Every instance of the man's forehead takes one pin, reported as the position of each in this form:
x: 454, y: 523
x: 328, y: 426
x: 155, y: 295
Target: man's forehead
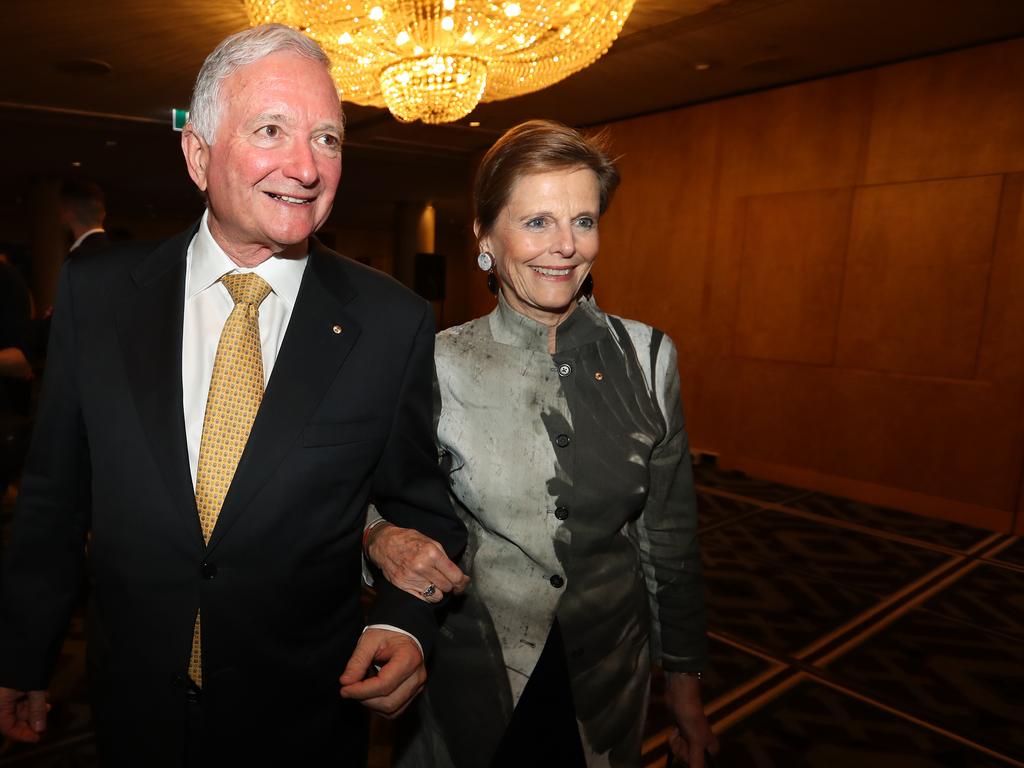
x: 282, y: 89
x: 286, y: 67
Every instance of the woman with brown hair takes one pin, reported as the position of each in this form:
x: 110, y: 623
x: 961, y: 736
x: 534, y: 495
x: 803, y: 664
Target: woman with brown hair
x: 562, y: 433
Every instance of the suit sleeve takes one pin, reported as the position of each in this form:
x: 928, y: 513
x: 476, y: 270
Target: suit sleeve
x: 409, y: 488
x: 666, y: 534
x: 44, y: 561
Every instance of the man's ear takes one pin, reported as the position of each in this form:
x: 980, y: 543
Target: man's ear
x: 197, y: 155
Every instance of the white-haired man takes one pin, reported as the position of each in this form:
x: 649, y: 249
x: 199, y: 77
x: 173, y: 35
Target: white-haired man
x: 218, y: 411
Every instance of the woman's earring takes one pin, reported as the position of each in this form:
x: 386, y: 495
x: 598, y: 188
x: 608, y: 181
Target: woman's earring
x: 486, y: 262
x: 587, y: 287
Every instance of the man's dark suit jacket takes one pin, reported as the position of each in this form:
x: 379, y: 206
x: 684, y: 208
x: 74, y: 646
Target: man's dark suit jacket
x: 346, y: 419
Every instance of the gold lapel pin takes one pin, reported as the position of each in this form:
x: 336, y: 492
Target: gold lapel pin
x: 336, y: 328
x: 598, y: 376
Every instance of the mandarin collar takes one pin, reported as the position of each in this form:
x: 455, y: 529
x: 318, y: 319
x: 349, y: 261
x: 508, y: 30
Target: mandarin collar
x: 585, y: 324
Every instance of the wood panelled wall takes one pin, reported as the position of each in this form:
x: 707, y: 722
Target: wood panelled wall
x: 841, y: 264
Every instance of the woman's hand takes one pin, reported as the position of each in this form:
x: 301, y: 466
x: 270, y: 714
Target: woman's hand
x: 692, y: 733
x: 414, y: 563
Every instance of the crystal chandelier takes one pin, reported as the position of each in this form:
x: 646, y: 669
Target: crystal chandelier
x: 435, y: 60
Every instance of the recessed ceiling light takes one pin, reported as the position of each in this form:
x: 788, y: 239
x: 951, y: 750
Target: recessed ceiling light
x: 474, y: 123
x: 76, y: 164
x: 702, y: 66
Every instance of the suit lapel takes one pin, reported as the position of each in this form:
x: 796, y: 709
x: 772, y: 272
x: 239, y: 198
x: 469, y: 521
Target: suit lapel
x: 309, y: 359
x: 149, y: 322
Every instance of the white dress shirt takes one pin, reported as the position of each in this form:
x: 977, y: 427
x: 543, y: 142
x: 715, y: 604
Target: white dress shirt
x: 207, y: 306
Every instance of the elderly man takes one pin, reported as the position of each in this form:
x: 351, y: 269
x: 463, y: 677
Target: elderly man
x: 218, y: 411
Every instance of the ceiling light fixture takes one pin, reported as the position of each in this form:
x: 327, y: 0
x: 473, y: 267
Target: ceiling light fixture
x: 435, y: 60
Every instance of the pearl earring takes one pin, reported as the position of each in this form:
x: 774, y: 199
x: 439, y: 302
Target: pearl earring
x: 485, y: 261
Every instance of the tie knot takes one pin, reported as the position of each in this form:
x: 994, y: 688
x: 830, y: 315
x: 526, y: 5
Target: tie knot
x: 246, y: 288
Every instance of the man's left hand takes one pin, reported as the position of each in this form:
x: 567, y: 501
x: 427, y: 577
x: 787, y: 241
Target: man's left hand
x: 401, y: 675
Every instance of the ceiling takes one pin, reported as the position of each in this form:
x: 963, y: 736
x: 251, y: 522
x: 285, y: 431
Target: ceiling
x: 113, y: 118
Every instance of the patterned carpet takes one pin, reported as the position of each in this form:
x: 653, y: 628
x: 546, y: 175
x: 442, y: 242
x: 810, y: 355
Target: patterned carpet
x: 845, y: 634
x: 842, y: 635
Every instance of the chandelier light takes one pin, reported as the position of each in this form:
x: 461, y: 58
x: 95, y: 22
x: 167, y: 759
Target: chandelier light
x: 435, y: 60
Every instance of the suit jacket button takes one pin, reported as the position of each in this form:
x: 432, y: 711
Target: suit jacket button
x: 208, y: 570
x: 562, y: 440
x: 562, y: 513
x: 557, y: 581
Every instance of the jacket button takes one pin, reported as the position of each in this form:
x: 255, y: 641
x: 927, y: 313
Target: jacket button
x: 562, y: 513
x: 564, y: 370
x: 557, y: 581
x: 562, y: 440
x: 208, y: 570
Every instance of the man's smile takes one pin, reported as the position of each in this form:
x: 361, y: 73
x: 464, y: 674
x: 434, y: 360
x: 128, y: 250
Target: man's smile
x: 290, y: 199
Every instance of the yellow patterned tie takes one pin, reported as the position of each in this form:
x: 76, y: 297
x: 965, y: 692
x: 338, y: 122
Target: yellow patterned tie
x: 236, y: 390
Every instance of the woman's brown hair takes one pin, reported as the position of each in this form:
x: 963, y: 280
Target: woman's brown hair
x: 538, y: 146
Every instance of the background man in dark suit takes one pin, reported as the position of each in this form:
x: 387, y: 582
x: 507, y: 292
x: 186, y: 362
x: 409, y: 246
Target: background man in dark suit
x: 219, y: 626
x: 83, y: 209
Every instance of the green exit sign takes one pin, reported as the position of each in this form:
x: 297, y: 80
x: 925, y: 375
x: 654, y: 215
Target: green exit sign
x: 178, y: 118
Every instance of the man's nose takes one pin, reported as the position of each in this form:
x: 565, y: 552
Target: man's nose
x: 301, y: 164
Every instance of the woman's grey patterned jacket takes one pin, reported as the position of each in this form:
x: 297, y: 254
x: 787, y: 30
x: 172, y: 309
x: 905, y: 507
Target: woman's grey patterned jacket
x: 572, y: 473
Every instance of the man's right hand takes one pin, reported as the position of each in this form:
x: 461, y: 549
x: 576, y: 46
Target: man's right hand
x: 412, y: 562
x: 401, y: 672
x: 23, y: 714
